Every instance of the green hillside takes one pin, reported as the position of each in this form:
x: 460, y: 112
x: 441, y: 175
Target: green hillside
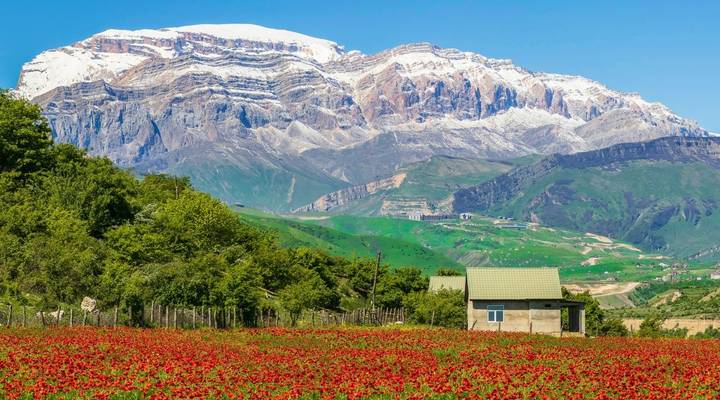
x: 256, y: 179
x: 396, y: 252
x: 663, y: 206
x: 432, y: 180
x: 478, y: 242
x: 689, y: 298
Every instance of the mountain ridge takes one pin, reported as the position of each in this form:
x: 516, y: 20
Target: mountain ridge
x: 149, y: 98
x: 660, y: 195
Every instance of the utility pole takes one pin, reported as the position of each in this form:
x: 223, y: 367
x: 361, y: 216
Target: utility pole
x: 377, y: 267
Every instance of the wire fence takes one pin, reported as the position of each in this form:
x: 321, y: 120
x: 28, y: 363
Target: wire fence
x: 178, y: 317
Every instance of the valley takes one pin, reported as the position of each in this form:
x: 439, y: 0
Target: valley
x: 481, y: 241
x: 660, y: 196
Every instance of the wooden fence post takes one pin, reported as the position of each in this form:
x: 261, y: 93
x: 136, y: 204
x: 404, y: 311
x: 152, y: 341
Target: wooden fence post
x: 130, y: 317
x: 24, y: 322
x: 115, y: 317
x: 84, y: 320
x: 175, y: 318
x: 193, y: 318
x: 152, y: 312
x: 97, y: 319
x: 42, y: 317
x: 167, y: 317
x: 10, y: 312
x: 57, y: 316
x: 71, y: 318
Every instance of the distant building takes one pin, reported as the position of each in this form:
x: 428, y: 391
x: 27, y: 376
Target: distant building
x: 715, y: 275
x: 438, y: 283
x: 465, y: 216
x: 419, y: 216
x: 512, y: 226
x: 515, y: 300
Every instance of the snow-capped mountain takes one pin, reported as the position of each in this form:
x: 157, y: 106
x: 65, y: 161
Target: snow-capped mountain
x: 263, y: 115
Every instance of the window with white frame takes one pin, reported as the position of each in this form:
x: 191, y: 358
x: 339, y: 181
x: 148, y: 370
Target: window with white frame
x: 495, y: 313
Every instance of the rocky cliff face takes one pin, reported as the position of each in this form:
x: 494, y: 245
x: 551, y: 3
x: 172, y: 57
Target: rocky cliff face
x: 344, y: 196
x: 506, y: 187
x: 155, y: 99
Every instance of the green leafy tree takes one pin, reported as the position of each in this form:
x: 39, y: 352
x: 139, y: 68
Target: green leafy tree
x: 442, y: 308
x: 24, y: 135
x: 652, y: 327
x: 62, y: 265
x: 709, y: 333
x: 301, y: 296
x: 597, y: 323
x: 398, y: 283
x: 448, y: 272
x: 240, y: 290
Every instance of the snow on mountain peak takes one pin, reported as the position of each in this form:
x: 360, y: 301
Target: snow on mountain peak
x: 107, y: 54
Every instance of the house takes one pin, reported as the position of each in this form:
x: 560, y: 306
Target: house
x: 515, y: 300
x: 715, y: 275
x: 465, y: 216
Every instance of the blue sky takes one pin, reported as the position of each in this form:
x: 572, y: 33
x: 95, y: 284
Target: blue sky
x: 667, y: 51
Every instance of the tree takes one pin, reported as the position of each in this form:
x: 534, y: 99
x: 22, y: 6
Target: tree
x: 448, y: 272
x: 709, y: 333
x: 395, y: 285
x: 304, y: 295
x: 239, y: 287
x: 442, y: 308
x: 24, y: 135
x: 63, y: 264
x: 596, y: 322
x: 197, y: 222
x: 652, y: 327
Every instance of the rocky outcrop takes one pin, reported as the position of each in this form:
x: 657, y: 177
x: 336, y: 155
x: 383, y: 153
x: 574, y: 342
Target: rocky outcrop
x: 344, y: 196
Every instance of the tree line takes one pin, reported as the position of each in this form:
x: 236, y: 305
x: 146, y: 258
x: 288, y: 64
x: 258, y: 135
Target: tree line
x: 73, y: 225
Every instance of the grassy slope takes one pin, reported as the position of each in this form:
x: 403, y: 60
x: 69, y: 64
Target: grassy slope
x: 397, y: 253
x: 680, y: 299
x: 655, y: 186
x: 256, y: 182
x: 474, y: 243
x: 434, y: 179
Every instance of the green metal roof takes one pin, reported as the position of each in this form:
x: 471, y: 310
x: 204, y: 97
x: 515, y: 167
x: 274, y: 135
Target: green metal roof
x: 447, y: 282
x: 513, y: 284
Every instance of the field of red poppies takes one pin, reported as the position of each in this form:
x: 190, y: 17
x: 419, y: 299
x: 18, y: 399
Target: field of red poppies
x: 349, y: 364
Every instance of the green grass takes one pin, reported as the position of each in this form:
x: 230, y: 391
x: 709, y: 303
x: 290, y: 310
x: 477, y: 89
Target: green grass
x: 699, y: 299
x: 432, y: 180
x: 478, y: 242
x: 627, y: 201
x: 396, y: 252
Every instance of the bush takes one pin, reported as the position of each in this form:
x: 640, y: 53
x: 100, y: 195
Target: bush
x: 652, y: 327
x: 709, y: 333
x: 443, y: 308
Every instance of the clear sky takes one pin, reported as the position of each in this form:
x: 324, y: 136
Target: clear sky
x: 669, y: 51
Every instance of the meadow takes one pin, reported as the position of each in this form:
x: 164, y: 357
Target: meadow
x: 349, y: 363
x: 478, y: 242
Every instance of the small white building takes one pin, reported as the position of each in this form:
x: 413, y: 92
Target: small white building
x: 715, y: 275
x: 515, y: 300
